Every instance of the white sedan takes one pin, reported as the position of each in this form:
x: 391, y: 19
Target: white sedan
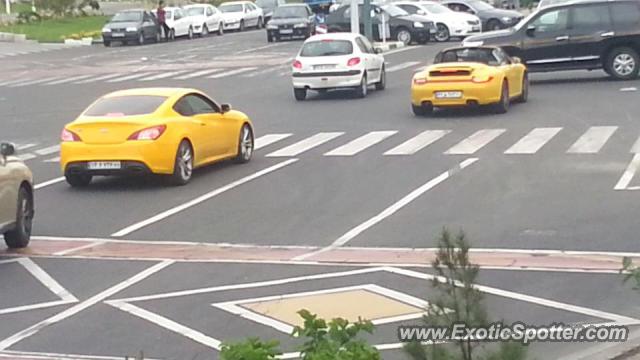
x: 239, y: 15
x: 179, y: 24
x: 337, y: 61
x: 449, y: 23
x: 205, y: 18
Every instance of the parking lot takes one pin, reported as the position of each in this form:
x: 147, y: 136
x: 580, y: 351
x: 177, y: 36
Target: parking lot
x: 343, y: 197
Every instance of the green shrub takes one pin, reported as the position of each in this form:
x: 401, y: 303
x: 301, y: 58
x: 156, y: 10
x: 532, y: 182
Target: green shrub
x: 250, y: 349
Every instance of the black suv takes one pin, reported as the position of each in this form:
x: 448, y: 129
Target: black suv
x: 583, y: 35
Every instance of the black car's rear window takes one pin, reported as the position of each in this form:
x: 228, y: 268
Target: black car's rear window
x: 125, y: 105
x: 127, y: 16
x: 327, y: 48
x: 287, y: 12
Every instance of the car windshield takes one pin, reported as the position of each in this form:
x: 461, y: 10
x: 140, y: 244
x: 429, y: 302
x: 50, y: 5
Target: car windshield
x: 284, y: 12
x: 327, y: 48
x: 117, y: 106
x: 484, y: 56
x: 436, y: 8
x: 394, y: 11
x: 127, y: 16
x: 480, y: 5
x: 230, y: 8
x: 195, y: 11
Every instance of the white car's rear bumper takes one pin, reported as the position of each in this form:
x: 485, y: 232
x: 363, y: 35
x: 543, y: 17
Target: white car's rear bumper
x: 232, y: 26
x: 327, y: 80
x: 465, y: 30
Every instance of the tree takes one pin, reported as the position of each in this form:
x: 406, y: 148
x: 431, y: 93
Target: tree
x: 59, y: 7
x: 250, y: 349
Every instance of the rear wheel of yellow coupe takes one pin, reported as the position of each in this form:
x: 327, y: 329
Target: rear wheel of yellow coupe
x: 503, y: 105
x: 245, y: 145
x: 78, y: 180
x: 421, y: 110
x: 183, y: 166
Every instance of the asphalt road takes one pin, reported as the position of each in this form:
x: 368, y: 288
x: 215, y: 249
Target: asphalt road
x: 565, y: 195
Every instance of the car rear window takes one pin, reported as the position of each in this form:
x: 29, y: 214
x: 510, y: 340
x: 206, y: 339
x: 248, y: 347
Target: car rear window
x: 125, y: 105
x: 327, y: 48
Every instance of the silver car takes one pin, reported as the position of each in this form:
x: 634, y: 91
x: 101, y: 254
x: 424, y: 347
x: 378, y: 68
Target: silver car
x: 16, y: 198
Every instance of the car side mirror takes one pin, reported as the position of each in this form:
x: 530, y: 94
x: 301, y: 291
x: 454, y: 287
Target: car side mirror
x: 516, y: 60
x: 225, y: 108
x: 531, y: 30
x: 7, y: 149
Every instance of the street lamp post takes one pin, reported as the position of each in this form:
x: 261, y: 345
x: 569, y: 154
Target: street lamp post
x: 355, y: 20
x: 7, y: 6
x: 366, y: 19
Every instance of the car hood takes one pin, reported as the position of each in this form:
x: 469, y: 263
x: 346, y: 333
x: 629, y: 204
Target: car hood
x: 287, y: 21
x: 122, y: 24
x: 500, y: 13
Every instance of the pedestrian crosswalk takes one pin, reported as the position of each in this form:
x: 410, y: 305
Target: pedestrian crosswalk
x: 394, y: 143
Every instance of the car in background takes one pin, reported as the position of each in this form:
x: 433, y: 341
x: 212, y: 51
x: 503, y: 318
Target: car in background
x: 402, y: 26
x: 470, y: 76
x: 337, y: 61
x: 268, y: 6
x: 178, y: 22
x: 290, y: 21
x: 491, y: 17
x: 205, y: 19
x: 16, y: 198
x: 448, y: 22
x: 131, y: 26
x: 167, y: 131
x: 239, y: 15
x: 576, y: 36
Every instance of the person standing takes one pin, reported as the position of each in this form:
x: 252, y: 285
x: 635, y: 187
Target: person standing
x: 162, y: 20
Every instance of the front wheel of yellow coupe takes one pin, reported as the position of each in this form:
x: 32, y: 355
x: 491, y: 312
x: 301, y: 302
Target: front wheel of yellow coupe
x: 245, y: 145
x: 183, y: 167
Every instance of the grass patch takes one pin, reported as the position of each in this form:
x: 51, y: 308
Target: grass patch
x: 53, y: 30
x: 15, y: 8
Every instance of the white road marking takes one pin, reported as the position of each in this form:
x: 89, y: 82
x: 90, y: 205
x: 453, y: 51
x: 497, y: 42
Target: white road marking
x: 231, y: 72
x: 165, y: 214
x: 402, y: 49
x: 635, y: 149
x: 78, y: 248
x: 12, y: 81
x: 268, y: 139
x: 306, y: 144
x: 162, y: 75
x: 197, y: 73
x: 592, y: 140
x: 266, y: 71
x: 34, y: 82
x: 34, y: 329
x: 48, y: 150
x: 99, y: 78
x: 401, y: 66
x: 628, y: 174
x: 25, y: 146
x: 629, y: 89
x: 257, y: 48
x: 31, y: 355
x: 533, y: 141
x: 418, y: 142
x: 475, y: 142
x: 48, y: 183
x: 26, y: 156
x: 363, y: 142
x: 130, y: 77
x: 395, y: 207
x: 67, y: 80
x: 53, y: 160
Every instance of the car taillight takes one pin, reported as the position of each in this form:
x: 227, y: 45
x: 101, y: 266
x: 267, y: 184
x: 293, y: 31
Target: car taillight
x: 483, y: 79
x: 419, y: 81
x: 151, y: 133
x: 69, y: 136
x: 353, y: 61
x: 297, y: 64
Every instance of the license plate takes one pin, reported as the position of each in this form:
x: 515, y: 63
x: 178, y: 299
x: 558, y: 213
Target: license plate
x: 117, y: 35
x: 104, y: 165
x: 476, y: 28
x: 286, y: 31
x: 323, y: 67
x: 448, y: 94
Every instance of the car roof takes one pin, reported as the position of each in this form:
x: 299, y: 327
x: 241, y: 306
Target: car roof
x: 157, y: 91
x: 196, y: 5
x: 234, y: 3
x: 293, y: 5
x: 334, y: 36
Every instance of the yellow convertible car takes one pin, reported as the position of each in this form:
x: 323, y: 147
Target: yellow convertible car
x: 166, y: 131
x: 470, y: 76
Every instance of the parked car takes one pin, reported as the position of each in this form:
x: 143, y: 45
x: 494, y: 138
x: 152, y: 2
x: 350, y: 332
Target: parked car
x: 402, y: 26
x: 448, y: 22
x: 291, y: 20
x: 337, y: 61
x: 239, y: 15
x: 268, y: 6
x: 492, y: 18
x: 576, y: 36
x: 178, y: 22
x: 205, y: 18
x: 131, y: 26
x: 16, y: 198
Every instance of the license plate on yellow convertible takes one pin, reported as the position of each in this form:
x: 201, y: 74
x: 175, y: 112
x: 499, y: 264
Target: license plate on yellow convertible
x: 448, y: 94
x: 104, y: 165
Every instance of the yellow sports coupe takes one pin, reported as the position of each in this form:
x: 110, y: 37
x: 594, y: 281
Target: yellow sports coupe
x: 166, y: 131
x: 470, y: 76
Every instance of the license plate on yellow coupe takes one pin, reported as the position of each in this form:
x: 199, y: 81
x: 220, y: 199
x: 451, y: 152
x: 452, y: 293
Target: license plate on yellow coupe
x: 448, y: 94
x: 104, y: 165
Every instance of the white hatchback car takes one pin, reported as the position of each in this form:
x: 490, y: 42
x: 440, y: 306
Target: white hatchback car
x: 239, y: 15
x: 205, y: 19
x: 449, y: 23
x: 178, y: 23
x: 337, y: 61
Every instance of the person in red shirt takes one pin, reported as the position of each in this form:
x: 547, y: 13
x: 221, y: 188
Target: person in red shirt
x: 161, y: 20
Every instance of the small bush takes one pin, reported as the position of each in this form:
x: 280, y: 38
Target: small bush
x: 251, y: 349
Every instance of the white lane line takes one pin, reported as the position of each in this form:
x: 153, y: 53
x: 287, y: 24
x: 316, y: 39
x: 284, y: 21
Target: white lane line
x: 99, y: 78
x: 395, y: 207
x: 628, y: 174
x: 418, y: 142
x: 269, y: 139
x: 401, y: 66
x: 46, y: 280
x: 78, y: 248
x: 48, y: 183
x: 32, y: 81
x: 130, y: 77
x: 53, y: 160
x: 592, y: 140
x: 306, y: 144
x: 67, y: 80
x: 162, y: 75
x: 165, y: 214
x: 167, y: 324
x: 48, y: 150
x: 13, y: 81
x: 533, y: 141
x: 25, y: 157
x: 32, y: 355
x: 635, y: 149
x: 266, y: 71
x: 257, y: 48
x: 475, y: 142
x: 197, y: 73
x: 25, y: 146
x: 34, y: 329
x: 363, y: 142
x: 231, y: 72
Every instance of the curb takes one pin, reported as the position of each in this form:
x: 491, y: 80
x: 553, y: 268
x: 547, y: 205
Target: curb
x: 11, y: 37
x: 388, y: 46
x: 628, y: 350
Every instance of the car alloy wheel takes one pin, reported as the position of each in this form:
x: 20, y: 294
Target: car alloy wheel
x: 382, y: 83
x: 442, y: 33
x: 141, y: 38
x: 404, y: 36
x: 241, y: 25
x: 190, y: 33
x: 220, y: 29
x: 624, y: 64
x: 245, y: 144
x: 205, y: 30
x: 259, y: 25
x: 361, y: 91
x: 172, y: 34
x: 183, y: 168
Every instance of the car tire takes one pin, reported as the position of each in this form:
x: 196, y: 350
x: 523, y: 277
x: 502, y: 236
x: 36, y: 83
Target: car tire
x: 141, y: 38
x: 241, y: 28
x: 205, y: 31
x: 502, y: 106
x: 172, y: 34
x: 190, y: 33
x: 623, y: 63
x: 442, y: 33
x: 245, y: 145
x: 19, y: 237
x: 107, y: 43
x: 404, y: 35
x: 158, y: 37
x: 382, y: 84
x: 183, y: 165
x: 363, y: 88
x: 493, y: 25
x: 220, y: 29
x: 524, y: 95
x: 259, y: 24
x: 421, y: 110
x: 269, y: 38
x: 300, y: 94
x: 78, y: 180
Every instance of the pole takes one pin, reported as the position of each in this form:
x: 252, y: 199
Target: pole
x: 8, y: 6
x: 384, y: 28
x: 366, y: 19
x: 355, y: 20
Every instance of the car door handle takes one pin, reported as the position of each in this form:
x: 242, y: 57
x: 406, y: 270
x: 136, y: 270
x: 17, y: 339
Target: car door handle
x: 562, y: 38
x: 608, y: 34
